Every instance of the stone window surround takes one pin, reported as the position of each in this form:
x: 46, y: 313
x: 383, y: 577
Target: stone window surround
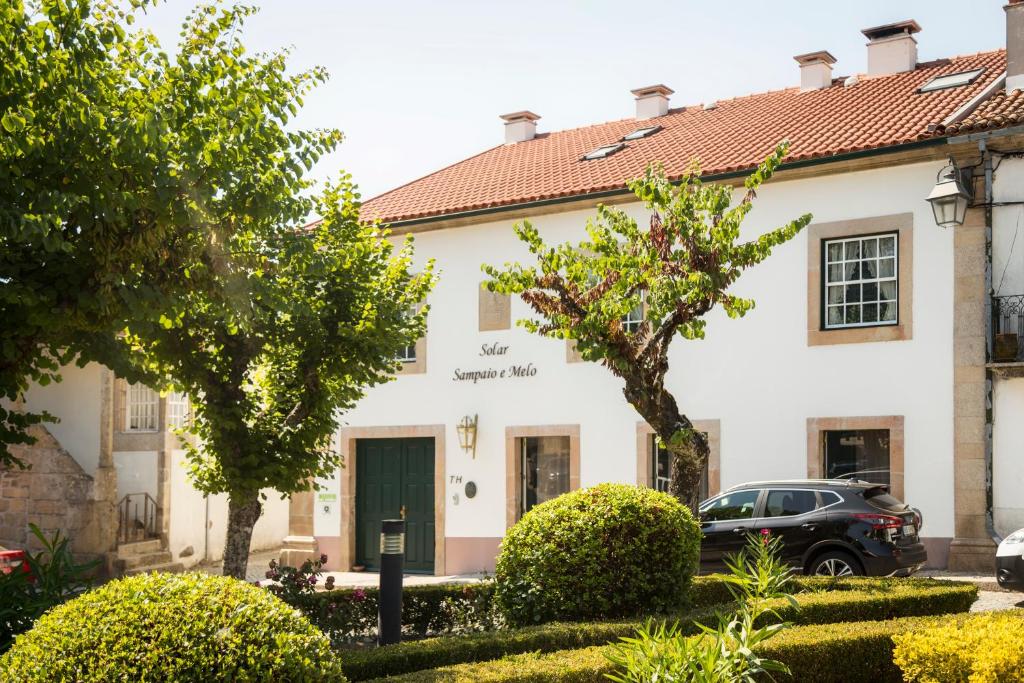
x: 816, y: 426
x: 513, y: 463
x: 713, y: 430
x: 903, y: 225
x: 347, y: 442
x: 494, y: 310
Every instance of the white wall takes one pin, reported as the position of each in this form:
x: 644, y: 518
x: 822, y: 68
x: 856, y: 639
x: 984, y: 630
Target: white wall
x: 1008, y: 229
x: 189, y: 520
x: 136, y: 472
x: 76, y: 401
x: 757, y: 375
x: 1008, y: 460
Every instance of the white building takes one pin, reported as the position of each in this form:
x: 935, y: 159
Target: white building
x: 869, y: 350
x: 886, y: 374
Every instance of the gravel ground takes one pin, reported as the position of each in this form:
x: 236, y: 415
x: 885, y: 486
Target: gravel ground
x: 995, y: 600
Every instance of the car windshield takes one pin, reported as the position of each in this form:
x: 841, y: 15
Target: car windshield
x: 881, y: 499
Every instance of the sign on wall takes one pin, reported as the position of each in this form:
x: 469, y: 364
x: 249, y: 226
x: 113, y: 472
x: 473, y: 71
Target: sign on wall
x: 327, y: 507
x: 497, y: 366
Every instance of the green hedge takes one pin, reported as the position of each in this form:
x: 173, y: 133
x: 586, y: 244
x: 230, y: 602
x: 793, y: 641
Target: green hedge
x: 350, y: 614
x: 858, y: 652
x: 821, y: 601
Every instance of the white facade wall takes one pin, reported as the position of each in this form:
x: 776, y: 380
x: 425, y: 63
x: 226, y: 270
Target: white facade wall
x: 1008, y: 394
x: 202, y: 524
x: 757, y: 375
x: 75, y: 400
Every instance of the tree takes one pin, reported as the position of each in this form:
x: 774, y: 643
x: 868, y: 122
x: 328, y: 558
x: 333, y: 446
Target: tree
x: 677, y: 270
x: 119, y: 167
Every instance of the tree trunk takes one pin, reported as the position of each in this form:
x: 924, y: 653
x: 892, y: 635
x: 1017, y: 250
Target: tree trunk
x: 688, y: 448
x: 243, y: 511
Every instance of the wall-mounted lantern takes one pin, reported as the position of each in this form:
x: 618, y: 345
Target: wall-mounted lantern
x: 467, y: 433
x: 949, y: 198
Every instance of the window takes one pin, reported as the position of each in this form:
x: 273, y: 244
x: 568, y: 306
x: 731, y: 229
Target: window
x: 735, y: 505
x: 142, y: 409
x: 857, y: 454
x: 408, y: 353
x: 661, y: 469
x: 861, y: 282
x: 602, y: 152
x: 631, y: 321
x: 789, y: 503
x: 545, y: 469
x: 642, y: 133
x: 177, y: 409
x: 956, y: 80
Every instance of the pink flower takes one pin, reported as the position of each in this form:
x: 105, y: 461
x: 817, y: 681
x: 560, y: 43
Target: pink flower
x: 358, y: 595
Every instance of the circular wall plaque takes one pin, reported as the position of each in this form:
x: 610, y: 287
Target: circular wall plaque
x: 470, y: 489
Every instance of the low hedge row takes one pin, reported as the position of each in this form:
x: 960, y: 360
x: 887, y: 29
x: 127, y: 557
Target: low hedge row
x: 821, y: 602
x: 858, y: 652
x: 349, y: 615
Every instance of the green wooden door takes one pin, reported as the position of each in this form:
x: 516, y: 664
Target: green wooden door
x: 393, y: 475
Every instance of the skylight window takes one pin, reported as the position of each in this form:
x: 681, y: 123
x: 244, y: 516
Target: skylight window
x: 957, y: 80
x: 602, y: 152
x: 642, y: 133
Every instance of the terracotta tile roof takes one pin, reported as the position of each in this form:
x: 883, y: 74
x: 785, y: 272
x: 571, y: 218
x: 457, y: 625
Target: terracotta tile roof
x: 875, y: 112
x: 1001, y: 110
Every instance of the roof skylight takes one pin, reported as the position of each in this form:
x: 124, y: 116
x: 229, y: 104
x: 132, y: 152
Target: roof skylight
x: 602, y: 152
x: 642, y: 133
x: 957, y: 80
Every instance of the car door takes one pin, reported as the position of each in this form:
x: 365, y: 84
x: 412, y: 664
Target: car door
x: 725, y: 522
x: 790, y: 514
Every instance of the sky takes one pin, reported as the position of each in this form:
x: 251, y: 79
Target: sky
x: 418, y: 85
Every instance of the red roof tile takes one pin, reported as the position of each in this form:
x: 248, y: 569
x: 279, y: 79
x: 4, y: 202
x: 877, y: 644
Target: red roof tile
x: 735, y: 135
x: 1001, y: 110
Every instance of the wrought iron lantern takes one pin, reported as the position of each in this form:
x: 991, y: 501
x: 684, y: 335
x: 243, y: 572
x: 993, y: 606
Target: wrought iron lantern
x: 467, y: 433
x: 949, y: 198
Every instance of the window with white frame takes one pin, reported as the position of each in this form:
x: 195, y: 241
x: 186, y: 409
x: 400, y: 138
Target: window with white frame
x: 142, y: 409
x: 177, y: 409
x: 631, y: 321
x: 407, y: 354
x: 661, y: 469
x: 861, y: 281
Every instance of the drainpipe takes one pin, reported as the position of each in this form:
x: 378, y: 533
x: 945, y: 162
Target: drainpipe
x: 989, y: 398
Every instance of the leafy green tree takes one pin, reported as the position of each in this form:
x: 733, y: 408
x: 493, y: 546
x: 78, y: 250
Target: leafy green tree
x: 295, y: 328
x: 676, y: 271
x: 121, y: 165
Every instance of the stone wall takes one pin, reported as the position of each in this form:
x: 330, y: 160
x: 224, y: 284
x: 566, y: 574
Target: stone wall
x: 54, y: 493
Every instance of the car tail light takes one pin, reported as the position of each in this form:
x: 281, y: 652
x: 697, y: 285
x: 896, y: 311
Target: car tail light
x: 881, y: 521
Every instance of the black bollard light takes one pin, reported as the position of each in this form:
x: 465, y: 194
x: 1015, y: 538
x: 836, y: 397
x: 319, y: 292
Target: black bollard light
x: 392, y: 556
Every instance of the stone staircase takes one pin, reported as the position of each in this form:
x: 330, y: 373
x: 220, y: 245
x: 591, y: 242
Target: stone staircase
x: 140, y: 557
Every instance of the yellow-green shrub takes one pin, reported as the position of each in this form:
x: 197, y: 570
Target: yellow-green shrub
x: 172, y: 627
x: 987, y: 648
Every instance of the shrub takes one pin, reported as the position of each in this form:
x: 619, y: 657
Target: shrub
x: 53, y: 577
x: 173, y: 627
x: 860, y: 652
x: 291, y: 584
x: 822, y: 600
x: 349, y: 615
x: 983, y: 649
x: 607, y: 551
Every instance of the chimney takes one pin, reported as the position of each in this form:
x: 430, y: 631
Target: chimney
x: 520, y: 126
x: 815, y: 70
x: 652, y: 101
x: 1015, y: 45
x: 892, y: 48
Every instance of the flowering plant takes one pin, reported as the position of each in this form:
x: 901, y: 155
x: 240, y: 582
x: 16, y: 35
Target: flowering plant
x: 291, y: 583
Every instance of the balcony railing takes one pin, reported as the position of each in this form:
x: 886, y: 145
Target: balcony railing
x: 138, y: 516
x: 1008, y: 318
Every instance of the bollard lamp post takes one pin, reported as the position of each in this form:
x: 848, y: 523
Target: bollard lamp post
x: 392, y: 555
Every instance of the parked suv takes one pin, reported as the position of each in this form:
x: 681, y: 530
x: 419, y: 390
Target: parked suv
x: 833, y: 527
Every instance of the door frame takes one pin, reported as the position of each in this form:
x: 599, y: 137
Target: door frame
x: 347, y: 438
x: 713, y: 430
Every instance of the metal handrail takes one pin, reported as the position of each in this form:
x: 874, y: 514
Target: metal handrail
x: 135, y: 527
x: 1008, y: 317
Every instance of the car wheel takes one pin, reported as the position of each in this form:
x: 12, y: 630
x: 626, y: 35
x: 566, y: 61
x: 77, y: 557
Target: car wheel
x: 836, y: 563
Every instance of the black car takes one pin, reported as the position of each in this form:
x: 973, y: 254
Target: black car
x: 834, y: 527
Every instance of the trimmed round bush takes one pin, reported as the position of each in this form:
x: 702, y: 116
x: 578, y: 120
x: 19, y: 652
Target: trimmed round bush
x: 608, y: 551
x: 172, y: 627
